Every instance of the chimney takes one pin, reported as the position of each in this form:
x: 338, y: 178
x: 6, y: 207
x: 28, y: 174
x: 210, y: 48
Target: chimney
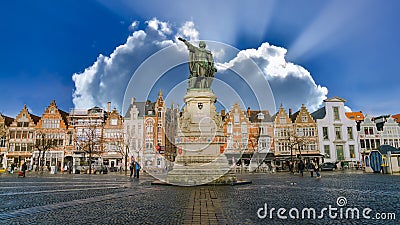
x: 133, y: 100
x: 290, y: 113
x: 108, y: 107
x: 248, y: 111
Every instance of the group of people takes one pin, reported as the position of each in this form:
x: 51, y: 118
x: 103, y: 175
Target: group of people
x: 22, y: 173
x: 301, y: 166
x: 135, y: 169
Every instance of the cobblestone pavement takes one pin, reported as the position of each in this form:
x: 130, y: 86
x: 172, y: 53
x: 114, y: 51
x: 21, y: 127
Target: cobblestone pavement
x: 116, y: 199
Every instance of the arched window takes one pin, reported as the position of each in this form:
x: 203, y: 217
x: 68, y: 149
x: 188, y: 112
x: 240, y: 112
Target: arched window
x: 149, y: 127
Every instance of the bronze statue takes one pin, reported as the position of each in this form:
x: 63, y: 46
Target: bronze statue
x: 201, y: 65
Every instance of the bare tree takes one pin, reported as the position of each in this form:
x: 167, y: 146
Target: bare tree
x: 122, y: 147
x: 90, y: 142
x: 43, y: 143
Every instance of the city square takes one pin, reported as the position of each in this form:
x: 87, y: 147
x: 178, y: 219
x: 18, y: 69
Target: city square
x: 120, y: 112
x: 117, y: 199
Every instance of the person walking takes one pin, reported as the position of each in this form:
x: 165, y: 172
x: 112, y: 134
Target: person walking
x: 291, y: 167
x: 137, y: 170
x: 12, y: 166
x: 24, y: 168
x: 300, y: 167
x: 132, y: 169
x: 311, y: 168
x: 317, y: 170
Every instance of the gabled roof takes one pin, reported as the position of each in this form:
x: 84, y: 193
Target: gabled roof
x: 335, y: 99
x: 294, y: 116
x: 254, y: 116
x: 141, y: 107
x: 149, y: 107
x: 64, y: 116
x: 319, y: 114
x: 7, y: 120
x: 35, y: 118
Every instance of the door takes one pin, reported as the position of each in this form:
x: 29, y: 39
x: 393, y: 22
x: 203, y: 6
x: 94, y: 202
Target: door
x: 339, y: 152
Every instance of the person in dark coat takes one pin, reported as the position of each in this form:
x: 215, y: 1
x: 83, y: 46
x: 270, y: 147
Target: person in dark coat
x: 301, y: 167
x: 24, y: 168
x: 132, y: 168
x: 311, y: 168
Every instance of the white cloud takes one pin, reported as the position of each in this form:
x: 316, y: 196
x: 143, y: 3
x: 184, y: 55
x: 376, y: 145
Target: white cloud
x: 134, y: 25
x: 292, y: 85
x: 107, y: 78
x: 347, y: 109
x: 188, y: 30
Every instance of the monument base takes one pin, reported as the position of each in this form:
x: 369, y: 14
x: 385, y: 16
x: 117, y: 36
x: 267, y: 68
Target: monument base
x: 200, y: 170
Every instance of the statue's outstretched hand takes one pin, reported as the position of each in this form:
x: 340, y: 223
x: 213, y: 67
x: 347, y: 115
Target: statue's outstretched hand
x: 181, y: 39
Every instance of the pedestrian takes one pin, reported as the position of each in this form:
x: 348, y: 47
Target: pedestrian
x: 12, y: 166
x: 300, y: 167
x: 291, y: 167
x: 317, y: 170
x: 342, y: 165
x: 24, y: 168
x: 138, y: 167
x: 311, y: 168
x: 132, y: 168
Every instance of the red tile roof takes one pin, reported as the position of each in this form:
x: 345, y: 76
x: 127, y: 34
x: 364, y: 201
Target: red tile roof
x: 357, y: 116
x: 396, y: 118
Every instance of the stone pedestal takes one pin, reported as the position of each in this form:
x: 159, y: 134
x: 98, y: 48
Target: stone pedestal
x: 200, y: 140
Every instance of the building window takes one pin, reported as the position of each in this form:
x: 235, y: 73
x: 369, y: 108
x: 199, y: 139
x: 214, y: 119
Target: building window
x: 149, y: 127
x: 350, y: 133
x: 327, y: 151
x: 282, y: 119
x: 159, y: 128
x: 236, y: 118
x: 362, y: 143
x: 304, y: 118
x: 325, y: 133
x: 114, y: 122
x: 229, y: 129
x: 336, y: 113
x: 3, y: 142
x: 338, y: 133
x: 368, y: 130
x: 244, y: 128
x: 352, y: 151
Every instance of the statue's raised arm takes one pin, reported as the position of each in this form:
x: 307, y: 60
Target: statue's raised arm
x: 201, y: 65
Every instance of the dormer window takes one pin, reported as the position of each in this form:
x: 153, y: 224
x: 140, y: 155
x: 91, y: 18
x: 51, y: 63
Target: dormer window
x: 336, y: 113
x: 114, y: 122
x: 282, y: 119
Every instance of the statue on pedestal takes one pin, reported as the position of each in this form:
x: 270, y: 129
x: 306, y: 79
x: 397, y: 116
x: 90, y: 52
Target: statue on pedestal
x: 201, y: 65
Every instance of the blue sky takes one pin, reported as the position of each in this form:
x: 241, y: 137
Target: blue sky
x: 349, y: 48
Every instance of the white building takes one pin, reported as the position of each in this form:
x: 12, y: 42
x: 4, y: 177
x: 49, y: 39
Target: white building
x: 133, y: 127
x: 336, y: 133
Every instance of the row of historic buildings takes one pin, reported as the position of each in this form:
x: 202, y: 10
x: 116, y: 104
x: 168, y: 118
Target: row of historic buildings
x: 147, y: 132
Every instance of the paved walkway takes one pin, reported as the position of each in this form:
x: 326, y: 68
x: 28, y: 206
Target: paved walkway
x: 116, y: 199
x: 204, y: 208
